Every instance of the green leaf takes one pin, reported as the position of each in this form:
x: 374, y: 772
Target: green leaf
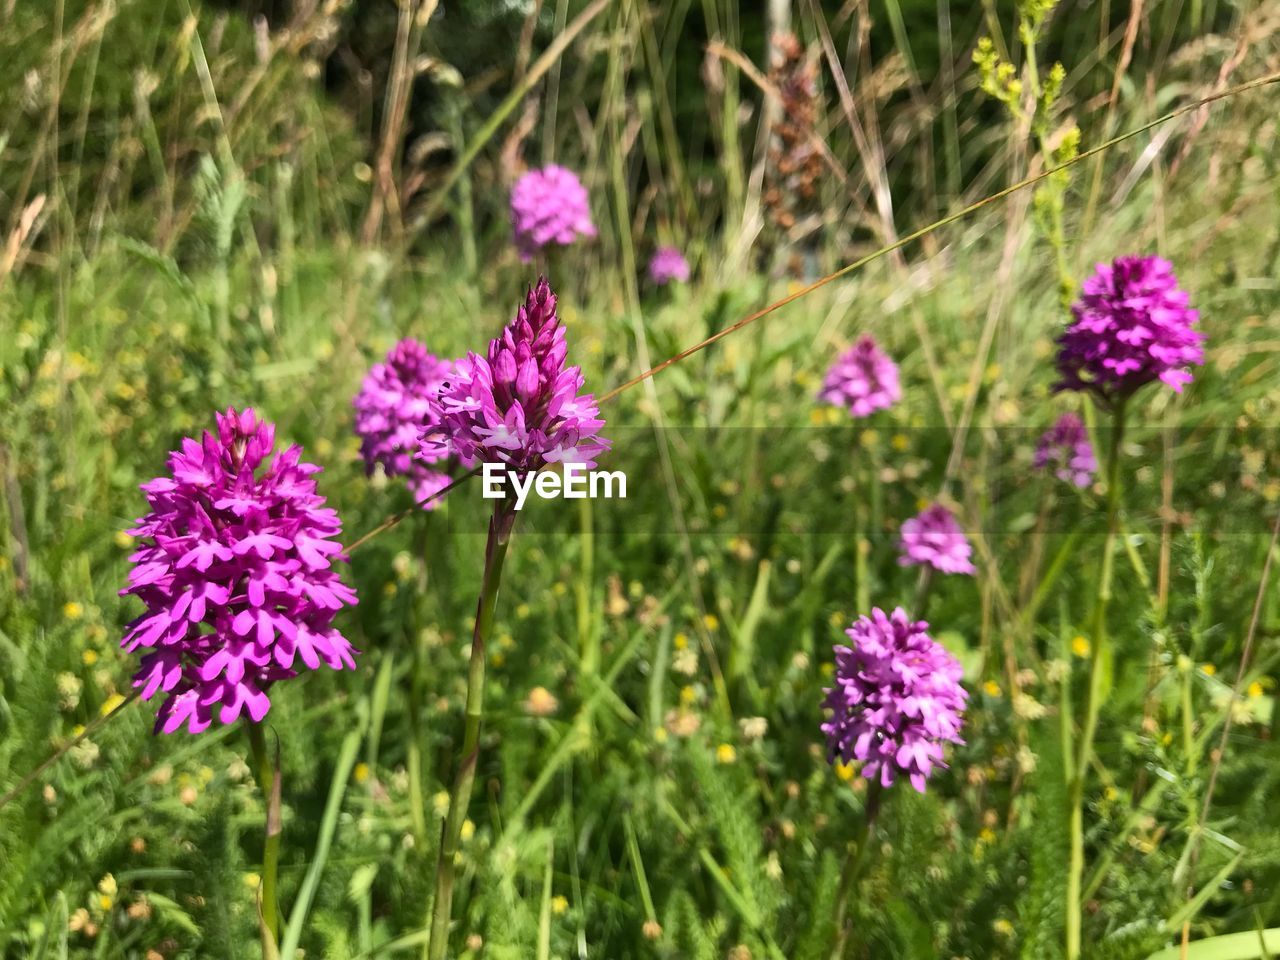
x: 1253, y: 945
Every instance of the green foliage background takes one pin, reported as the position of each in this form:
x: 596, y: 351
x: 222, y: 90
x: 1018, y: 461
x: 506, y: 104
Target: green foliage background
x: 202, y: 242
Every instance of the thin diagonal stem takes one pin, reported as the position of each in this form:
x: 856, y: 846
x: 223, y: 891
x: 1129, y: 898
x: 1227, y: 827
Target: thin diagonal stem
x: 936, y: 225
x: 495, y: 554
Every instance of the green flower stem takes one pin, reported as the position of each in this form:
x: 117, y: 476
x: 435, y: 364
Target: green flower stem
x: 417, y: 803
x: 1099, y: 652
x: 854, y: 861
x: 268, y: 780
x: 495, y: 553
x: 924, y: 584
x: 861, y: 544
x: 588, y: 635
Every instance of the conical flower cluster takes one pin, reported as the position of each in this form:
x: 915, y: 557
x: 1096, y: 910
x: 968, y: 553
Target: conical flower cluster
x: 667, y: 265
x: 549, y: 206
x: 520, y: 404
x: 896, y: 699
x: 237, y: 577
x: 934, y: 538
x: 393, y: 408
x: 863, y: 380
x: 1065, y: 449
x: 1132, y: 325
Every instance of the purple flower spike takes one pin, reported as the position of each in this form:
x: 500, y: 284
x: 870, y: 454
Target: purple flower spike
x: 935, y: 538
x: 393, y: 407
x: 549, y: 206
x: 895, y: 701
x: 1132, y: 326
x: 1065, y: 449
x: 519, y: 405
x: 862, y: 381
x: 668, y: 264
x: 237, y: 576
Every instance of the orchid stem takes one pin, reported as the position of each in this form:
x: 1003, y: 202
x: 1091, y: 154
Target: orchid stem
x: 1099, y: 652
x: 854, y: 861
x: 269, y: 781
x: 495, y: 553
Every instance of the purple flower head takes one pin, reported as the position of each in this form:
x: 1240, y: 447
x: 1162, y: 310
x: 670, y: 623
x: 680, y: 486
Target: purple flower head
x: 1132, y: 326
x: 549, y: 206
x: 237, y: 577
x: 934, y: 537
x: 668, y: 264
x: 896, y: 699
x: 863, y: 380
x: 393, y: 407
x: 1065, y: 449
x: 519, y: 405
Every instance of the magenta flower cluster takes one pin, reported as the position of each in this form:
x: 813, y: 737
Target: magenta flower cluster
x: 896, y: 699
x: 237, y: 577
x: 863, y: 380
x: 934, y: 538
x: 520, y: 404
x: 668, y: 265
x: 1065, y: 449
x: 1132, y: 326
x: 395, y: 405
x: 549, y: 206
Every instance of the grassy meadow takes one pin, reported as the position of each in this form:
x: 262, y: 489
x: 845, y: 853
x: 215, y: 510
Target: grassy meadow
x: 200, y: 209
